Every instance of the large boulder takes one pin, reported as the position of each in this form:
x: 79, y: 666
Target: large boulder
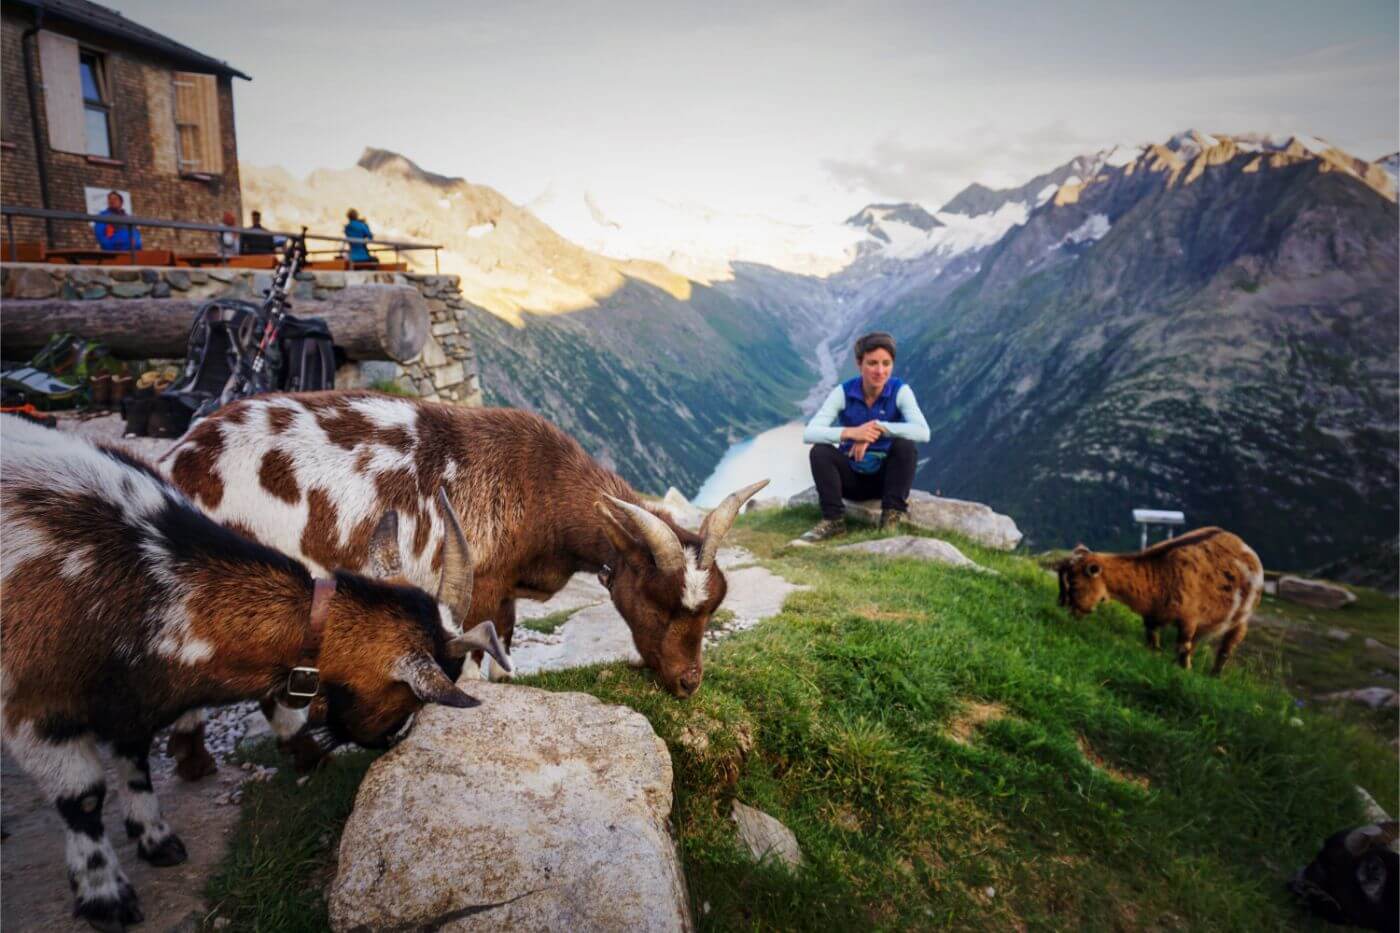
x: 972, y: 520
x: 915, y: 548
x: 534, y: 811
x: 1314, y: 593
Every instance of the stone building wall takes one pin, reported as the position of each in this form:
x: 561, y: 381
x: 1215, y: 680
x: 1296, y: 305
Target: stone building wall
x: 446, y: 369
x: 143, y: 146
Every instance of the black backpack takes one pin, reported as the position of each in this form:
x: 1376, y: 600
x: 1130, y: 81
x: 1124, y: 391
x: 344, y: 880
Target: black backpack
x: 224, y: 330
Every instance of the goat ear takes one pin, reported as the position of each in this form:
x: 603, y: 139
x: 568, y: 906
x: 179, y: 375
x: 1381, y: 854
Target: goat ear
x: 428, y: 682
x: 384, y: 560
x: 618, y: 536
x: 481, y: 638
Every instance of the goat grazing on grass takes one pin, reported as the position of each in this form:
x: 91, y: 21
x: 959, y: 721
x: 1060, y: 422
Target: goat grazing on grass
x: 1206, y: 582
x: 312, y: 474
x: 122, y: 606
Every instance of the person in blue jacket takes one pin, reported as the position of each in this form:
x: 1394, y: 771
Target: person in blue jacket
x: 115, y: 237
x: 864, y: 436
x: 358, y: 229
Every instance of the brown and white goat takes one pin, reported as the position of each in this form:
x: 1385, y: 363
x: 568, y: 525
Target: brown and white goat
x: 122, y: 606
x: 312, y: 474
x: 1206, y: 582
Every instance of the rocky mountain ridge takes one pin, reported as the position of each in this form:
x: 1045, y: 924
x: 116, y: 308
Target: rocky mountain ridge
x: 1211, y: 325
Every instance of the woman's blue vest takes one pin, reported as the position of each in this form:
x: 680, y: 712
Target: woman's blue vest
x: 857, y: 413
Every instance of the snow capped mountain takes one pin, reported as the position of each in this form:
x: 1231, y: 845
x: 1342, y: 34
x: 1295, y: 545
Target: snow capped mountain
x: 1391, y: 165
x: 694, y: 240
x: 872, y: 217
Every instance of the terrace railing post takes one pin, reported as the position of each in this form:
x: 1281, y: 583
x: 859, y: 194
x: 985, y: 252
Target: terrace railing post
x: 130, y: 242
x: 10, y: 233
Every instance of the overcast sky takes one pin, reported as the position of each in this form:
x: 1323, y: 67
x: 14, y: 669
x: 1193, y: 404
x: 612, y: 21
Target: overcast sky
x: 800, y: 108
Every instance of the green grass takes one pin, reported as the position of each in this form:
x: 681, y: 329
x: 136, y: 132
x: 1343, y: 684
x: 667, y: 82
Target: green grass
x: 547, y: 624
x: 283, y: 851
x: 392, y: 387
x: 930, y: 735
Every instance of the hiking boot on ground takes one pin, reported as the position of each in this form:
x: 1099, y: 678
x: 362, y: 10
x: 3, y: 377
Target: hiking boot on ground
x: 825, y: 530
x: 893, y: 519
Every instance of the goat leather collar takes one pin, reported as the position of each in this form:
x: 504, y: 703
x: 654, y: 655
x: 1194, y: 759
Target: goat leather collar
x: 304, y: 681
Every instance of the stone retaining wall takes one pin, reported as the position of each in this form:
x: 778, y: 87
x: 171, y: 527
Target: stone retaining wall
x: 446, y: 369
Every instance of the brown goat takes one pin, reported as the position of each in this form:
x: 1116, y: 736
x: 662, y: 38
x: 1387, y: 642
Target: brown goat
x: 1206, y: 582
x: 122, y: 606
x: 312, y: 474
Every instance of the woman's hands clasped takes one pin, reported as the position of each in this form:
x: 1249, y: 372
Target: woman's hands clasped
x: 864, y: 435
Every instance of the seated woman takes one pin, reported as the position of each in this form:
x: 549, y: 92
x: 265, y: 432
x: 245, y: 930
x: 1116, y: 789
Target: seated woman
x: 864, y: 436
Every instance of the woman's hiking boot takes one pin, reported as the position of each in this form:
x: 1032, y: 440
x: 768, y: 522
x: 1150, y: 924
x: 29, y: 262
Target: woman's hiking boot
x: 892, y: 519
x: 825, y: 530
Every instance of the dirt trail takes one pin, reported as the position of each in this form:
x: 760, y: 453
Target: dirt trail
x: 32, y: 872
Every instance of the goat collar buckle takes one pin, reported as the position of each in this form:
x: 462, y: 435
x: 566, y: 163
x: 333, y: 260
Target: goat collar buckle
x: 605, y: 577
x: 304, y: 680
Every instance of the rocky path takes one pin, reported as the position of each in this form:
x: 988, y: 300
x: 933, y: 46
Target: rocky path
x: 33, y: 877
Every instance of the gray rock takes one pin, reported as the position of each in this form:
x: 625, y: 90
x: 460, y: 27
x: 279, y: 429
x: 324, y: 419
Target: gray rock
x: 1373, y: 697
x: 93, y: 292
x: 25, y: 282
x: 125, y: 275
x: 534, y: 811
x: 150, y: 276
x: 432, y: 355
x: 1314, y: 593
x: 930, y: 549
x: 765, y: 504
x: 685, y: 514
x: 131, y: 289
x: 160, y: 290
x: 178, y: 279
x: 1338, y: 634
x: 766, y: 837
x: 973, y: 520
x: 331, y: 280
x: 449, y: 375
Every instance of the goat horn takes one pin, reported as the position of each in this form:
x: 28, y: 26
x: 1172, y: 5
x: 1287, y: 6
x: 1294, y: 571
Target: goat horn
x: 718, y: 522
x: 455, y: 584
x: 665, y: 546
x: 1362, y: 838
x: 481, y: 638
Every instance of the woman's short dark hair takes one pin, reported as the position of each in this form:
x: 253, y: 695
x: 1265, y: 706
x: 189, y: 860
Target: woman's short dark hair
x: 875, y: 340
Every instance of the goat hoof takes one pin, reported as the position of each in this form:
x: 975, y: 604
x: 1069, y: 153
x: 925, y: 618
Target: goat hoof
x: 170, y: 851
x: 112, y: 914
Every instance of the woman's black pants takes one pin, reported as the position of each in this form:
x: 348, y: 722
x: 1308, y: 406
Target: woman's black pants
x: 835, y: 479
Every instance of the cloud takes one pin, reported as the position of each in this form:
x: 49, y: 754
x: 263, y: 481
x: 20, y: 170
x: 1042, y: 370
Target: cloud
x: 931, y: 174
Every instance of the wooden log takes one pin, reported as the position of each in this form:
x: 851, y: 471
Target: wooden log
x: 370, y: 322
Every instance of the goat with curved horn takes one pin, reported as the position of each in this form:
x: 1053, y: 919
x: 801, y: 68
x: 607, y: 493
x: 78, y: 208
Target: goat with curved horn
x: 718, y: 522
x: 660, y: 539
x: 455, y: 584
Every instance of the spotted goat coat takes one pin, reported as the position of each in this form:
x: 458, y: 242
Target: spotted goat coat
x: 1206, y: 582
x: 311, y: 474
x: 122, y: 606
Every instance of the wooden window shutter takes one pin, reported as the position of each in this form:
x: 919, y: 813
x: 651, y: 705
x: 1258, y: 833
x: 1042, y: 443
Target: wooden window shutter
x: 199, y: 143
x: 63, y: 92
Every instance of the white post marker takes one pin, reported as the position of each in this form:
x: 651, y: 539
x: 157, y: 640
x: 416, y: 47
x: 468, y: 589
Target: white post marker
x: 1146, y: 517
